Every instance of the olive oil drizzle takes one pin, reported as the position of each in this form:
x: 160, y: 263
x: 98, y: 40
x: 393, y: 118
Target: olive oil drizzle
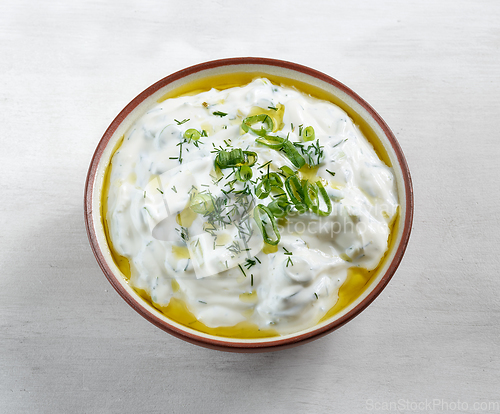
x: 358, y: 279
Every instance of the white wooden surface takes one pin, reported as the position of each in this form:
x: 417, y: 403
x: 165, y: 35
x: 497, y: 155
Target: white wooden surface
x: 70, y: 344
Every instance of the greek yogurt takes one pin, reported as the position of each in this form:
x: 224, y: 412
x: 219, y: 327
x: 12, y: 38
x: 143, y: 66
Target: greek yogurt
x: 187, y: 220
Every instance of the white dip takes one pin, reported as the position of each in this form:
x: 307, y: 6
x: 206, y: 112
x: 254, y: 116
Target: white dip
x: 215, y: 254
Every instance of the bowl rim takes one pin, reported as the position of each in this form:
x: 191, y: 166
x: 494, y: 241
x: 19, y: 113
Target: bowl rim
x: 232, y: 344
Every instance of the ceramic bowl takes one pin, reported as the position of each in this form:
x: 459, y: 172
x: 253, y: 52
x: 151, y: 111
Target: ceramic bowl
x: 325, y: 87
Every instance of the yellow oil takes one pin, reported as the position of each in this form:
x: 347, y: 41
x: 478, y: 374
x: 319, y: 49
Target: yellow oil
x: 275, y: 115
x: 309, y: 173
x: 223, y: 239
x: 121, y: 261
x: 186, y: 217
x: 250, y: 297
x: 180, y: 252
x: 178, y: 311
x: 269, y: 248
x: 358, y: 279
x: 175, y: 285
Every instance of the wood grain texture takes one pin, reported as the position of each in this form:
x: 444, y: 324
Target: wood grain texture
x: 69, y: 343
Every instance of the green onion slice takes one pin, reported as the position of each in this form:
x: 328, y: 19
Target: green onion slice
x: 251, y: 158
x: 264, y: 120
x: 274, y: 180
x: 235, y: 158
x: 296, y: 193
x: 227, y: 159
x: 271, y: 141
x: 287, y: 171
x: 311, y: 196
x: 244, y: 173
x: 293, y: 155
x: 192, y: 134
x: 202, y: 204
x: 312, y: 193
x: 263, y: 188
x: 267, y: 224
x: 279, y: 207
x: 326, y: 200
x: 308, y: 134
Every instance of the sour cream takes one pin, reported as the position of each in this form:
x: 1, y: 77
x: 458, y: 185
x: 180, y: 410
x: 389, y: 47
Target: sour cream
x: 216, y: 262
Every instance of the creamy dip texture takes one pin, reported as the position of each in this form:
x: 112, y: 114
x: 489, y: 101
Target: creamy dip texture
x: 203, y: 186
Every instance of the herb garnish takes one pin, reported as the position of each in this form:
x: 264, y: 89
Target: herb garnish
x: 249, y: 263
x: 338, y: 143
x: 267, y: 163
x: 183, y: 232
x: 180, y: 150
x: 314, y: 153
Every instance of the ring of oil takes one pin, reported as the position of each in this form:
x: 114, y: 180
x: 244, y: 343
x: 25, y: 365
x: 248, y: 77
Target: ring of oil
x: 358, y: 279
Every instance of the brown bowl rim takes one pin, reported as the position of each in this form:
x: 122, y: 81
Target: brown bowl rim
x: 214, y: 343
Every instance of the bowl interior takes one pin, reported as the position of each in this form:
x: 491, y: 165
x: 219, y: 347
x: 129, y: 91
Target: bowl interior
x: 239, y: 71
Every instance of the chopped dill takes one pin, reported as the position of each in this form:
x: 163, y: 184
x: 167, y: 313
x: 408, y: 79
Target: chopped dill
x: 314, y: 153
x: 338, y: 143
x: 249, y: 263
x: 183, y: 232
x: 234, y: 247
x: 266, y: 164
x: 180, y: 150
x: 279, y: 195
